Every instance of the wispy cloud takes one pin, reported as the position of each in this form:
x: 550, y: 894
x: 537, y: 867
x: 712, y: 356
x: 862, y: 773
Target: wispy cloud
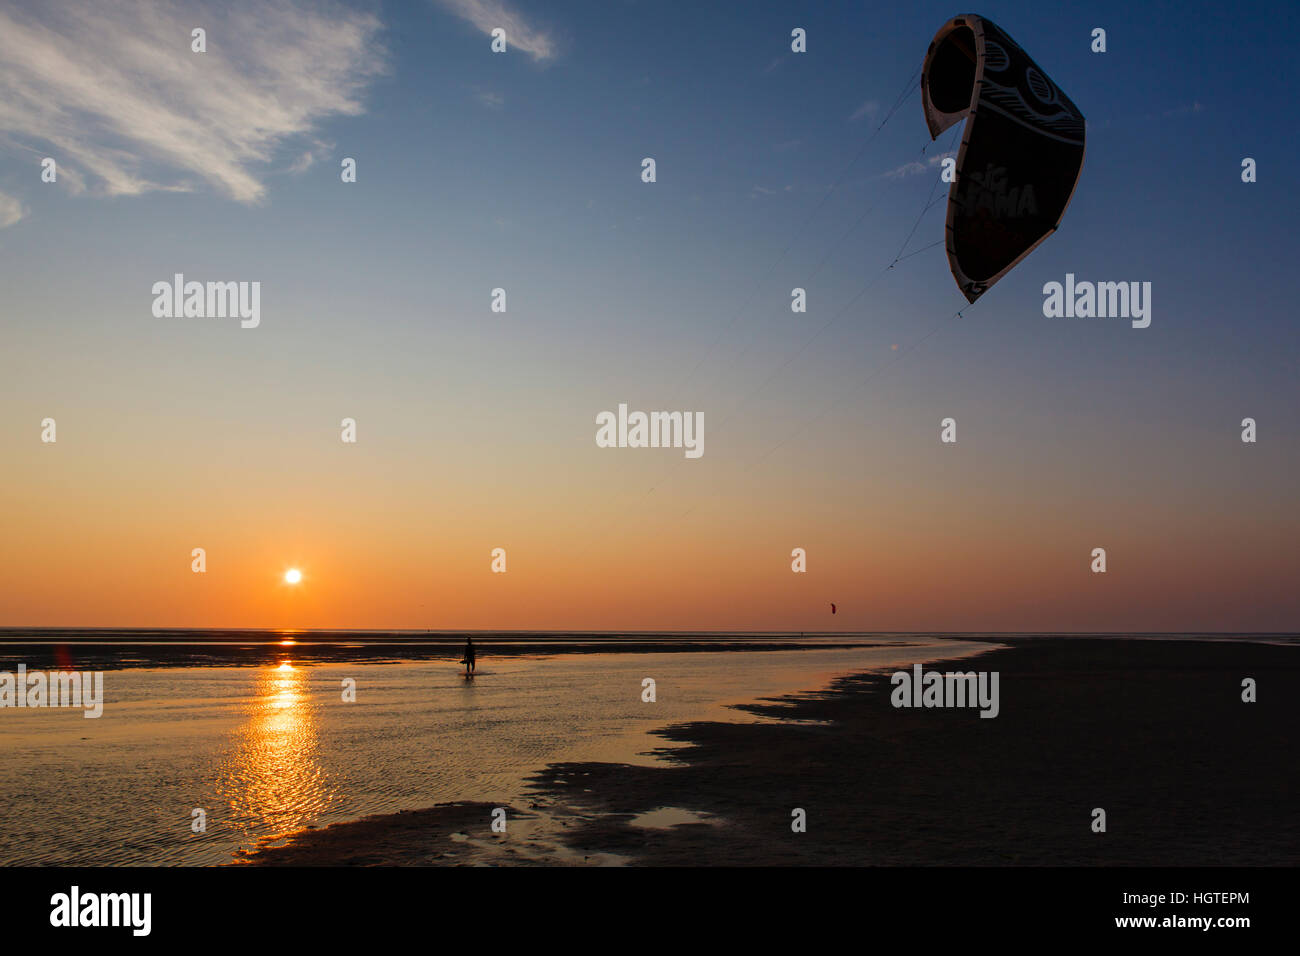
x: 11, y: 211
x: 72, y: 180
x: 493, y: 101
x: 488, y: 15
x: 916, y: 166
x: 310, y: 157
x: 114, y: 93
x: 869, y: 108
x: 1184, y: 110
x: 68, y: 177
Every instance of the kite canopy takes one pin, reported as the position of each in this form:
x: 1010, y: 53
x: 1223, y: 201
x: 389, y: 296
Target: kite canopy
x: 1020, y: 154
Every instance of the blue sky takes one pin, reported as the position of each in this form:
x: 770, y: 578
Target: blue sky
x: 522, y: 171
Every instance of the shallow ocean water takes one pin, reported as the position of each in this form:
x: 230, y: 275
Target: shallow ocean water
x: 268, y: 750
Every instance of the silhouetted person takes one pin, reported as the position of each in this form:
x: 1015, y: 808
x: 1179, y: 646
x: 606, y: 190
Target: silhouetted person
x: 469, y: 656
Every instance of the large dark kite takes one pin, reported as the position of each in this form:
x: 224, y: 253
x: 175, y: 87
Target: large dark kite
x: 1020, y: 154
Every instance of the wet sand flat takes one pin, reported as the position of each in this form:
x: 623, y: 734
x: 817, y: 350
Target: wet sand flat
x: 1152, y: 731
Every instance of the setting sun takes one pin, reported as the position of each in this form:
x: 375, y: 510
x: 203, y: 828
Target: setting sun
x: 292, y: 576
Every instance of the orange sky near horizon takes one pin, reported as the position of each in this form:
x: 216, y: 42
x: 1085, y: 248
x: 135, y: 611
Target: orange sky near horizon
x: 101, y: 529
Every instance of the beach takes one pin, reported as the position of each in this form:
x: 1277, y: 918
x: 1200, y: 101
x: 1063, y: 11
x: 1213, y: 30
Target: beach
x: 1153, y: 732
x: 262, y: 735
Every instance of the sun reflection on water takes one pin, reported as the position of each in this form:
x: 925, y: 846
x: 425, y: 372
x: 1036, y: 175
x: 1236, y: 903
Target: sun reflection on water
x: 272, y: 775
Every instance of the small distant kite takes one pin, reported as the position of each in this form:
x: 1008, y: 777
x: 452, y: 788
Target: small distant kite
x: 832, y: 608
x: 1020, y: 155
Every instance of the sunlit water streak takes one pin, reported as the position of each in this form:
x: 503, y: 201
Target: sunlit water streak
x: 265, y: 751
